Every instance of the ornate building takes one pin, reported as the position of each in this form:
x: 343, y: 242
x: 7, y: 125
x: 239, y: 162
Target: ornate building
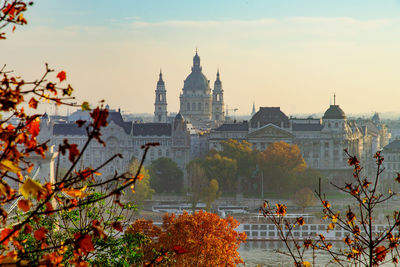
x: 123, y: 137
x: 321, y: 140
x: 197, y: 103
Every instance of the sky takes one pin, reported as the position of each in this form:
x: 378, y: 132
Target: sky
x: 286, y: 53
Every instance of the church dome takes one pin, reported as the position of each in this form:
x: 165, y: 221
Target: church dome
x: 334, y: 112
x: 196, y: 80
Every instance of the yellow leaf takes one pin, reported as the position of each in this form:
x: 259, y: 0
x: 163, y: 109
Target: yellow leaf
x: 31, y: 187
x: 10, y: 166
x: 331, y: 226
x: 306, y: 264
x: 3, y: 190
x: 334, y: 219
x: 75, y: 193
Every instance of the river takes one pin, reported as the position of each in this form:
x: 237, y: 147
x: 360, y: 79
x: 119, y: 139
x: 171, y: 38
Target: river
x: 264, y: 253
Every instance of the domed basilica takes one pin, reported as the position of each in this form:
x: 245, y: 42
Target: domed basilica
x: 198, y: 103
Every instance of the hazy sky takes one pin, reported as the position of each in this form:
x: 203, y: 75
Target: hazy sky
x: 287, y: 53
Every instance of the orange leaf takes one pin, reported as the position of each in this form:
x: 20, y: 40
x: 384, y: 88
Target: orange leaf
x: 33, y: 103
x: 24, y: 205
x: 62, y: 75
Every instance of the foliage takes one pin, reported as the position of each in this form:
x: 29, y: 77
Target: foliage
x: 166, y: 176
x: 141, y: 190
x: 242, y: 152
x: 223, y: 169
x: 202, y: 238
x: 304, y: 197
x: 211, y: 193
x: 281, y: 163
x: 365, y: 245
x: 198, y: 183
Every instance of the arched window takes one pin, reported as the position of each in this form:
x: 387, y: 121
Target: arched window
x: 188, y: 106
x: 193, y: 106
x: 336, y: 124
x: 199, y: 106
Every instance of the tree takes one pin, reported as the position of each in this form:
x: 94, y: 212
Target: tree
x: 223, y: 169
x: 365, y: 244
x: 201, y: 238
x: 280, y: 163
x: 242, y: 152
x: 211, y: 193
x: 142, y: 190
x: 198, y: 183
x: 304, y: 197
x: 166, y: 177
x: 310, y: 178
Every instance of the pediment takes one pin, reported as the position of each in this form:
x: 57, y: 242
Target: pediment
x: 270, y: 131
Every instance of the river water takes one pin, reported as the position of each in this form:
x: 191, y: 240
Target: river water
x: 264, y: 253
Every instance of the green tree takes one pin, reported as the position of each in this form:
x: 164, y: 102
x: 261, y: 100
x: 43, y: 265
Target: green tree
x: 198, y: 183
x: 223, y: 169
x: 310, y: 178
x: 142, y: 190
x: 304, y: 198
x: 246, y: 160
x: 166, y: 177
x: 211, y: 193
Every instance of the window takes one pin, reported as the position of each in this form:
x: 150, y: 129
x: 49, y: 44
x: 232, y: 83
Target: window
x: 199, y: 107
x: 188, y: 106
x: 193, y: 106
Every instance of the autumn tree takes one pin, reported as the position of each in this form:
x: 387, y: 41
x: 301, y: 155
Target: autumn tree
x: 281, y: 163
x: 201, y: 238
x: 166, y: 176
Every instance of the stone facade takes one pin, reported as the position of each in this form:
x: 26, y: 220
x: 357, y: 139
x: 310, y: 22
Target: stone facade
x: 122, y: 137
x: 321, y: 141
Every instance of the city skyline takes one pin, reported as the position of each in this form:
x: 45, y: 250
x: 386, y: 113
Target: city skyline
x: 292, y: 55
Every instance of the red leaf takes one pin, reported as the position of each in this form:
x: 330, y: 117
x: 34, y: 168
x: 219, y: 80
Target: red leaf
x: 85, y: 243
x: 62, y: 75
x: 80, y: 123
x: 179, y: 249
x: 73, y: 152
x: 117, y: 226
x: 5, y: 233
x: 49, y: 208
x: 24, y: 205
x: 40, y: 234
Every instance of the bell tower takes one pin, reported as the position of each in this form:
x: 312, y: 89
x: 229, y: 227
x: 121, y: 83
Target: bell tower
x: 160, y: 104
x: 218, y: 113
